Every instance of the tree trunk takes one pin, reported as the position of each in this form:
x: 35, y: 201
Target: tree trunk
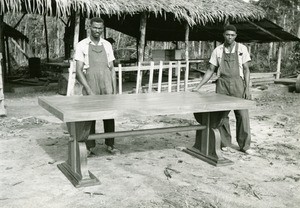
x: 142, y: 39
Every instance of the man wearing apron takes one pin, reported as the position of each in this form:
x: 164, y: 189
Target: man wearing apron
x: 230, y: 60
x: 94, y: 55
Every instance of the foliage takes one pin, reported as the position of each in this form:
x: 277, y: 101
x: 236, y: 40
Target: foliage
x: 285, y: 13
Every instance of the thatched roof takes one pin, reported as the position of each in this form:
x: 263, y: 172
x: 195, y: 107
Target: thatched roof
x: 191, y: 11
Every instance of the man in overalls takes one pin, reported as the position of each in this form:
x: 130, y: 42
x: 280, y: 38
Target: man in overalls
x: 95, y: 71
x: 230, y: 60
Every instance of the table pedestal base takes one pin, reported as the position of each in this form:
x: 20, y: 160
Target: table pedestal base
x: 213, y: 161
x: 207, y: 145
x: 76, y: 179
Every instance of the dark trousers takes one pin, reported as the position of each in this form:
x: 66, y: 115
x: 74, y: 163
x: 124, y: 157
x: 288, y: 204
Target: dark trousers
x: 109, y: 126
x: 234, y: 87
x: 243, y: 136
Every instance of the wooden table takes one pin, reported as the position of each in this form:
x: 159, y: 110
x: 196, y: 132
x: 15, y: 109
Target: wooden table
x: 207, y: 110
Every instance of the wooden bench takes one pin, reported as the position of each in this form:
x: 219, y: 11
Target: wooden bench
x: 74, y: 110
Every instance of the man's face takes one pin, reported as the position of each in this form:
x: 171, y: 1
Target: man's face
x: 96, y: 29
x: 229, y: 36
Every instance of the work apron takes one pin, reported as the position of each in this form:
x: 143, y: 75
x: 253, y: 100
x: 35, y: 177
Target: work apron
x: 99, y: 78
x: 231, y: 83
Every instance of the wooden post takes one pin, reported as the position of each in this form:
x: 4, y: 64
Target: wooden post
x: 2, y: 48
x: 186, y: 77
x: 279, y: 61
x: 76, y: 29
x: 142, y: 39
x: 2, y: 55
x: 7, y: 56
x: 141, y: 43
x: 82, y: 31
x: 46, y: 37
x: 72, y: 69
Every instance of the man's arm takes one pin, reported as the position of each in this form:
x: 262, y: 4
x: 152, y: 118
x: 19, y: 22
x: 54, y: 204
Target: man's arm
x: 113, y: 76
x: 246, y: 72
x: 208, y: 74
x: 81, y: 78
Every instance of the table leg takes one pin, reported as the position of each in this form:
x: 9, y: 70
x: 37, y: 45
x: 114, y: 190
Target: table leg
x: 208, y: 142
x: 75, y: 168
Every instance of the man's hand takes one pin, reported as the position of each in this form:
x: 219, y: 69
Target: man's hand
x: 90, y: 92
x: 196, y: 89
x: 247, y: 94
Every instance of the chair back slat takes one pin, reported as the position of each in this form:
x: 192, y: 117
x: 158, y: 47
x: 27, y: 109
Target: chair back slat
x: 170, y: 77
x: 151, y: 76
x: 120, y: 78
x: 160, y: 72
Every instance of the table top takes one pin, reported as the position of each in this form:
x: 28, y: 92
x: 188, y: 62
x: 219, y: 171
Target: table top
x: 98, y: 107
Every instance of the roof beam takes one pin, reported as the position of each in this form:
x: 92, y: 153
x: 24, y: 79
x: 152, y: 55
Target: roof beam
x: 264, y: 30
x: 19, y: 21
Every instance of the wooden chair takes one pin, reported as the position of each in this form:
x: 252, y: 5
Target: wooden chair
x: 160, y: 67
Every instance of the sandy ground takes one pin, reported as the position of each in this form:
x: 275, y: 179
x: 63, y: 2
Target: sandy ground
x: 33, y: 142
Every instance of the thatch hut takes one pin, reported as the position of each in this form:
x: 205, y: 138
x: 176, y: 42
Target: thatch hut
x: 131, y: 17
x: 192, y: 11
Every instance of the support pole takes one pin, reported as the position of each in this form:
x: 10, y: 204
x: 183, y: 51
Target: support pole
x: 82, y: 31
x: 279, y: 61
x: 186, y: 77
x: 2, y: 48
x: 46, y: 37
x: 142, y: 40
x: 141, y: 43
x: 7, y: 56
x: 76, y: 29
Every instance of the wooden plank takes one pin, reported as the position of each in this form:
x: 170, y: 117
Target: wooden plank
x: 120, y: 78
x: 285, y: 81
x: 72, y: 79
x: 145, y: 132
x: 262, y: 75
x: 186, y: 76
x: 160, y: 76
x: 170, y: 78
x: 178, y: 75
x: 138, y: 79
x: 151, y: 76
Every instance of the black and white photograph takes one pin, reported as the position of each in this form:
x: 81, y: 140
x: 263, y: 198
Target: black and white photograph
x: 150, y: 104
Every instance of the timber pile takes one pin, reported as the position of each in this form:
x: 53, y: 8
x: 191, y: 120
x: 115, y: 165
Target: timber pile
x: 293, y: 83
x: 257, y: 79
x: 32, y: 81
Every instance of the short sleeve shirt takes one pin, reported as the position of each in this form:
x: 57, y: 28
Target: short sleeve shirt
x: 243, y: 53
x: 82, y: 50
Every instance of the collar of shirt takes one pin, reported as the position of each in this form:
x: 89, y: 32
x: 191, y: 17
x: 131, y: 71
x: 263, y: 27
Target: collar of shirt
x: 221, y: 47
x: 89, y: 41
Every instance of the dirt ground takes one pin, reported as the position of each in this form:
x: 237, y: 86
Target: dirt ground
x: 33, y: 142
